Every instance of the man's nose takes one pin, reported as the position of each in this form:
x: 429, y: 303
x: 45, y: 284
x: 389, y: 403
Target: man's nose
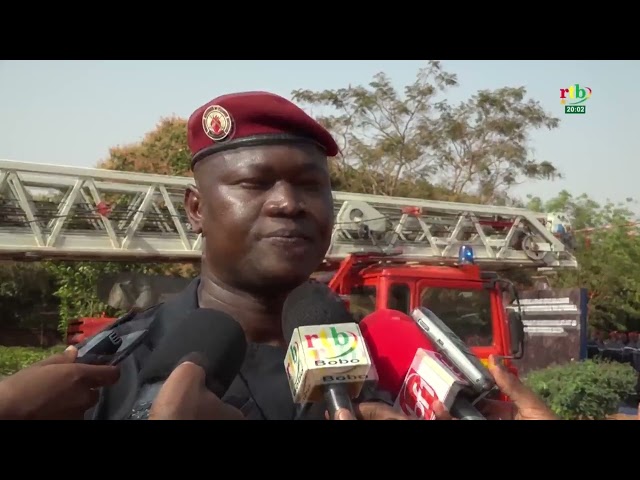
x: 284, y: 200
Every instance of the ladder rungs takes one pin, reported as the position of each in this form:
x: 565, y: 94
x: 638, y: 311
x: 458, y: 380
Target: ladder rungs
x: 48, y: 211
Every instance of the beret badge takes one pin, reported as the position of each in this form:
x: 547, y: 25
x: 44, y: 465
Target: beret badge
x: 217, y: 123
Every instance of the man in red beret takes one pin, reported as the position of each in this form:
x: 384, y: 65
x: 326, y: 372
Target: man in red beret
x: 262, y: 201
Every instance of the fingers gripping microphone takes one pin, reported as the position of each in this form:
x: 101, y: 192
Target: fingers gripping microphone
x: 411, y: 368
x: 327, y: 357
x: 216, y: 339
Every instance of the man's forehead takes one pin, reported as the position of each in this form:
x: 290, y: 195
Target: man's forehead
x: 267, y: 158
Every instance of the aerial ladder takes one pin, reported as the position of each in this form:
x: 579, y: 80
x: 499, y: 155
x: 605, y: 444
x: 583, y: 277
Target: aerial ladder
x: 72, y: 213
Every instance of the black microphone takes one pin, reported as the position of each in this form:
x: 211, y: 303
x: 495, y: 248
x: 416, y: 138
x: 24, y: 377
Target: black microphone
x: 327, y: 357
x: 463, y: 409
x: 214, y: 337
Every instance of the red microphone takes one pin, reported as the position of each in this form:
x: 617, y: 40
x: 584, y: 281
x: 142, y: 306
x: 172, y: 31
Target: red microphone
x: 410, y: 367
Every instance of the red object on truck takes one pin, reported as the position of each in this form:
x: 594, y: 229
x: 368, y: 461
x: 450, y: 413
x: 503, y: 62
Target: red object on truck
x: 86, y: 327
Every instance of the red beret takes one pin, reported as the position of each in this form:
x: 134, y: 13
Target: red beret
x: 249, y: 119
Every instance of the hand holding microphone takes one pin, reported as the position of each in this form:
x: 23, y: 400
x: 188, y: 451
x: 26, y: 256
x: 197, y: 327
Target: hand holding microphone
x: 410, y: 368
x: 426, y: 383
x: 218, y: 343
x: 327, y: 359
x: 526, y: 404
x: 185, y: 396
x: 371, y: 411
x: 55, y: 388
x: 482, y: 380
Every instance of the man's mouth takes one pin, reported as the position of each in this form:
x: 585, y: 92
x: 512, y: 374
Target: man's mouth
x: 285, y: 235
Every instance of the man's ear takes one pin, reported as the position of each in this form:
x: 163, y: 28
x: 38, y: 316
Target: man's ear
x: 193, y: 208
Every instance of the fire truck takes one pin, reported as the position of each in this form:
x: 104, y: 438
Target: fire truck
x: 385, y: 252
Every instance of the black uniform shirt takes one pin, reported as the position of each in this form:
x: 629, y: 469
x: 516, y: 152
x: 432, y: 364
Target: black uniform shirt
x: 261, y: 390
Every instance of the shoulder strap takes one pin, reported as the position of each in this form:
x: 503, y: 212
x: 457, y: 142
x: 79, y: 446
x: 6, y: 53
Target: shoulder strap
x: 115, y: 402
x: 140, y: 333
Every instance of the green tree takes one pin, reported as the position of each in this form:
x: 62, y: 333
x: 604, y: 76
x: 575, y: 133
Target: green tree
x: 389, y: 140
x: 583, y: 211
x: 163, y: 151
x: 380, y: 133
x: 26, y: 295
x: 481, y: 144
x: 607, y: 249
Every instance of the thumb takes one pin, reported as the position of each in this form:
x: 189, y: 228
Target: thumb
x: 71, y: 352
x: 68, y: 356
x: 508, y: 383
x: 344, y: 414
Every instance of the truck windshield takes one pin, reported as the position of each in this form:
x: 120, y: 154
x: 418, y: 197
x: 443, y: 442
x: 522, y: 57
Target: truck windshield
x: 466, y: 312
x: 362, y: 301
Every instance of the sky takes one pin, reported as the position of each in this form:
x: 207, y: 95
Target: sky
x: 72, y: 112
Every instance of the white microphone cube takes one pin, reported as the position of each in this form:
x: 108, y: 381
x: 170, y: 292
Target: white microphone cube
x: 321, y: 355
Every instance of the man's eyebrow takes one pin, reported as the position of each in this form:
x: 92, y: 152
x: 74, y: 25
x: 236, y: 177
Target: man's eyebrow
x: 314, y: 167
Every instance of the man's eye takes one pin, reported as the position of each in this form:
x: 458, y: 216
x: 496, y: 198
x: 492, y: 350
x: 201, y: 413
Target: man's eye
x: 255, y: 185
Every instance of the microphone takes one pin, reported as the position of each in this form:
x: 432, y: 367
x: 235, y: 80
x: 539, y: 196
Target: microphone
x: 327, y: 357
x: 216, y: 339
x: 410, y: 368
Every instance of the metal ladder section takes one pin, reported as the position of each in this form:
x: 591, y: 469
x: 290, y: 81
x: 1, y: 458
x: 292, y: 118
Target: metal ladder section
x: 49, y: 211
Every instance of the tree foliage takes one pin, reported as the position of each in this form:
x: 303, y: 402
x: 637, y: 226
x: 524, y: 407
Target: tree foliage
x: 607, y: 248
x: 26, y: 292
x: 163, y: 151
x: 77, y: 287
x: 583, y: 211
x: 476, y: 149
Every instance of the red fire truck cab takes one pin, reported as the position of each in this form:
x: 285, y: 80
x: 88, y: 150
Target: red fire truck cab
x: 468, y: 300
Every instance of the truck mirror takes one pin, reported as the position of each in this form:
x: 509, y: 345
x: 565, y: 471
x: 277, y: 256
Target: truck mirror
x: 516, y: 329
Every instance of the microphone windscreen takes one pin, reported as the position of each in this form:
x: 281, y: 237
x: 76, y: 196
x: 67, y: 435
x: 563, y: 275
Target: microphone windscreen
x: 217, y: 341
x: 312, y: 303
x: 392, y: 338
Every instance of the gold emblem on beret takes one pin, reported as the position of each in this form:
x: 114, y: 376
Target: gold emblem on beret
x: 217, y: 123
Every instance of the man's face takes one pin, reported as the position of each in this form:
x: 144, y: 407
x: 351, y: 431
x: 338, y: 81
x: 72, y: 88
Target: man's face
x: 266, y: 214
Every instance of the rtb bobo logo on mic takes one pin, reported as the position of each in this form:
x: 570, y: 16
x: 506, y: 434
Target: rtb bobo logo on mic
x: 320, y: 355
